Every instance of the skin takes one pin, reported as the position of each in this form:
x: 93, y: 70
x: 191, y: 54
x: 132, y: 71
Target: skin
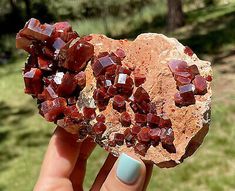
x: 64, y: 167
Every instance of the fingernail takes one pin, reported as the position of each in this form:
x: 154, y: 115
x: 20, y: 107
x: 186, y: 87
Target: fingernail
x: 128, y: 169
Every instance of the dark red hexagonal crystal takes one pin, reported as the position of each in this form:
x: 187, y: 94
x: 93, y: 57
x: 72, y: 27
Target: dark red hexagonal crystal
x: 209, y: 78
x: 155, y: 134
x: 44, y: 64
x: 186, y: 92
x: 177, y: 66
x: 101, y: 64
x: 135, y: 129
x: 81, y: 79
x: 63, y: 26
x: 143, y: 135
x: 100, y: 118
x: 140, y: 118
x: 125, y: 119
x: 193, y: 69
x: 23, y: 43
x: 77, y: 55
x: 153, y: 119
x: 89, y: 113
x: 119, y: 103
x: 200, y: 85
x: 33, y: 81
x: 164, y: 122
x: 128, y: 135
x: 112, y: 90
x: 67, y: 86
x: 188, y: 51
x: 58, y: 44
x: 120, y: 53
x: 178, y: 99
x: 34, y: 29
x: 51, y: 109
x: 139, y: 79
x: 99, y: 128
x: 141, y: 148
x: 167, y: 136
x: 141, y: 95
x: 119, y: 138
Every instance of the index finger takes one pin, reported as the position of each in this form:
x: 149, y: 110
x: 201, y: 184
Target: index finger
x: 61, y: 155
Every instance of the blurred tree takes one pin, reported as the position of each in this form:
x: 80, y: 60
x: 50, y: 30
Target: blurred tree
x: 175, y: 16
x: 209, y: 2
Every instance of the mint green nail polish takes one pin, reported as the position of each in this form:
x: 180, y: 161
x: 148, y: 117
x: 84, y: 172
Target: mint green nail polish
x: 128, y: 169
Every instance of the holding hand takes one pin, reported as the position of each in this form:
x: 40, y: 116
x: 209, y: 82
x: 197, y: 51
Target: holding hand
x: 64, y: 168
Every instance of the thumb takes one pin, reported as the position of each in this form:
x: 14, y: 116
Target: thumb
x: 127, y: 174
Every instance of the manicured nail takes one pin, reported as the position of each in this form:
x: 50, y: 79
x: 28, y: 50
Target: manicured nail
x: 128, y: 169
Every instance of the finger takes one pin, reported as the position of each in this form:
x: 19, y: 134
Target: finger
x: 103, y: 173
x: 149, y: 169
x: 79, y: 171
x: 59, y: 160
x: 127, y: 174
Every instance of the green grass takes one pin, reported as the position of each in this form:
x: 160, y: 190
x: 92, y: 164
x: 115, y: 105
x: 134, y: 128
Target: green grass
x: 24, y: 134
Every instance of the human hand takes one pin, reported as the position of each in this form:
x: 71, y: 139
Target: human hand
x: 64, y: 167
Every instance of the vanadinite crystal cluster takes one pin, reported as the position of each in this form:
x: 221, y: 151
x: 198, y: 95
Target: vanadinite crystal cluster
x: 58, y: 74
x: 189, y: 82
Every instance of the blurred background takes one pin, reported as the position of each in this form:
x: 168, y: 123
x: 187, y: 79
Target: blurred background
x: 207, y: 26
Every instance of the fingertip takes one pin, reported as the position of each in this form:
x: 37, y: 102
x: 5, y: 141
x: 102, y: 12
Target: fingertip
x: 128, y: 173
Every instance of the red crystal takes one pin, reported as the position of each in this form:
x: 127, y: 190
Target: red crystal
x: 23, y: 43
x: 81, y: 79
x: 178, y: 66
x: 167, y: 135
x: 143, y: 107
x: 135, y: 129
x: 102, y: 104
x: 125, y: 119
x: 128, y: 135
x: 193, y: 69
x: 143, y: 135
x: 140, y: 118
x: 101, y: 64
x: 134, y: 107
x: 49, y: 93
x: 139, y: 79
x: 72, y: 100
x: 51, y: 109
x: 178, y: 99
x: 100, y: 81
x: 112, y: 90
x: 164, y: 122
x: 155, y: 134
x: 33, y: 81
x: 89, y: 113
x: 112, y: 143
x: 186, y: 92
x: 67, y: 86
x: 77, y: 55
x: 123, y: 70
x: 100, y: 118
x: 63, y: 26
x: 141, y: 149
x: 153, y: 119
x: 119, y: 138
x: 119, y: 103
x: 188, y: 51
x: 200, y: 85
x: 58, y: 44
x: 120, y: 53
x: 44, y: 64
x: 100, y: 94
x: 209, y: 78
x: 34, y: 29
x: 141, y: 95
x: 99, y: 128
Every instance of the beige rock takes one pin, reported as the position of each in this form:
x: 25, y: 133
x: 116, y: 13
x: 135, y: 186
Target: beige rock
x: 150, y: 54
